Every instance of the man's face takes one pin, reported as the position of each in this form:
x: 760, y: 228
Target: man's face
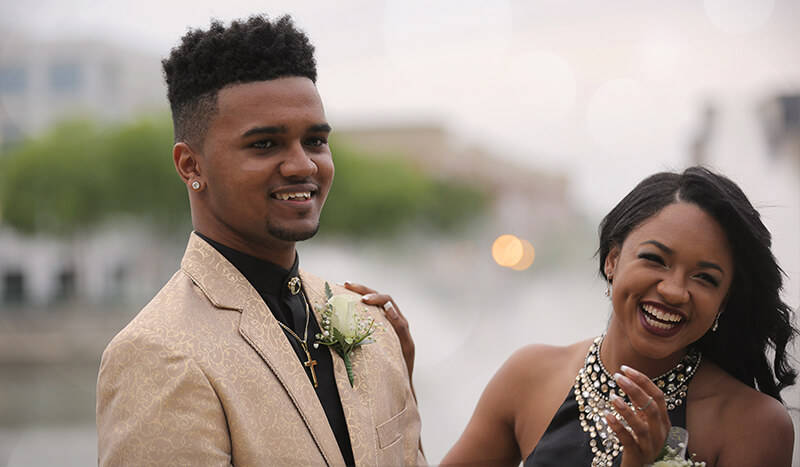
x: 266, y: 164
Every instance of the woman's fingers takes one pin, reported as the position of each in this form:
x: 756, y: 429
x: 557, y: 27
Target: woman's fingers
x: 650, y: 390
x: 647, y: 418
x: 396, y: 318
x: 649, y: 402
x: 358, y: 288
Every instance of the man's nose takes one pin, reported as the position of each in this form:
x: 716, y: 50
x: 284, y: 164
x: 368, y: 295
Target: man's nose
x: 297, y: 162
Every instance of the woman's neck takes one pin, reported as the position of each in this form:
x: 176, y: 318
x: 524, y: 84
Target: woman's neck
x: 617, y: 350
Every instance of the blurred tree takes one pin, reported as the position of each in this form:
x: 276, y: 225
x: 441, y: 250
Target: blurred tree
x: 379, y: 196
x: 81, y: 174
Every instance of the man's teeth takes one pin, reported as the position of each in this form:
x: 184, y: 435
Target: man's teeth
x: 288, y: 196
x: 662, y: 316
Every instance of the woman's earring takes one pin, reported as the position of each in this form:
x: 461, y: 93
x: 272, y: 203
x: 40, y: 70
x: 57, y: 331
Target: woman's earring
x: 195, y: 185
x: 608, y: 289
x: 716, y: 323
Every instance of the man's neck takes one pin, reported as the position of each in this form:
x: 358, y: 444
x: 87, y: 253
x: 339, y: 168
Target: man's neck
x: 283, y: 256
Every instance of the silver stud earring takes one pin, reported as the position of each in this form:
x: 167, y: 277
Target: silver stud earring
x: 196, y: 185
x: 716, y: 323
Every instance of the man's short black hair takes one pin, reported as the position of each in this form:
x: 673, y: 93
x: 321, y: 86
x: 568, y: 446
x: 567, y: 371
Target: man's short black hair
x: 255, y: 49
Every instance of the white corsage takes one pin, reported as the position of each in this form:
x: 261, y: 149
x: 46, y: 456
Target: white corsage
x: 674, y: 452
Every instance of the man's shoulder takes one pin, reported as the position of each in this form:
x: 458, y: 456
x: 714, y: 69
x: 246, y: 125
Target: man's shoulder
x: 173, y: 311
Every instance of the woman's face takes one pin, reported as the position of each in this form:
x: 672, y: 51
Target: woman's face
x: 670, y: 278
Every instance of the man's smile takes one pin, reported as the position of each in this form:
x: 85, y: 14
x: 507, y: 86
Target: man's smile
x: 300, y: 196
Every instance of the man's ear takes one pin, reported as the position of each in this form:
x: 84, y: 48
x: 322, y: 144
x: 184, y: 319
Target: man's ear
x: 611, y: 262
x: 188, y: 165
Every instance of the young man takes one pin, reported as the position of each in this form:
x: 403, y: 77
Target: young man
x: 220, y: 367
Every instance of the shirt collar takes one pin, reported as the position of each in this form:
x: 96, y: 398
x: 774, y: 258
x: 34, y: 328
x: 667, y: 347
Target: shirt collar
x: 267, y: 278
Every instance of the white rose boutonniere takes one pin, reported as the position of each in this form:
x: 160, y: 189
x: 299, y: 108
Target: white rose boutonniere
x: 343, y: 327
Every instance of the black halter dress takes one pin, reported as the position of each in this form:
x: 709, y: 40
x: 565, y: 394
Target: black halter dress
x: 578, y: 434
x: 565, y: 444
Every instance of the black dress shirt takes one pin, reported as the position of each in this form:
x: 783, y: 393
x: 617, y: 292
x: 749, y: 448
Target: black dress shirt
x: 272, y: 284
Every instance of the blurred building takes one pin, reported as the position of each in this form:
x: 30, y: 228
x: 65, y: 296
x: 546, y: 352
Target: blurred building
x: 41, y: 83
x: 781, y: 120
x: 525, y: 200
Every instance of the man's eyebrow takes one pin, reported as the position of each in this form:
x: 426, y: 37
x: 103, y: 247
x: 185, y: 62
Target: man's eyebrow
x: 265, y: 130
x: 320, y: 128
x: 280, y: 129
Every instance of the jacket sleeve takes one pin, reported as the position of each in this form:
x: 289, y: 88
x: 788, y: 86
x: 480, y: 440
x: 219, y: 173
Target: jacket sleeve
x: 155, y: 406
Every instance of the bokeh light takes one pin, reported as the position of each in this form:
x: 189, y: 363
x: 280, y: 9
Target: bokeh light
x: 512, y: 252
x: 528, y: 255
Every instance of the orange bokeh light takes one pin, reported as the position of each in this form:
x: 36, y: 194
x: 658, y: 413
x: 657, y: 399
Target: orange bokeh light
x: 512, y: 252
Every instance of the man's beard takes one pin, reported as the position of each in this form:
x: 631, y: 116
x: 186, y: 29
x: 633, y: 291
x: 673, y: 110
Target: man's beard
x: 291, y: 235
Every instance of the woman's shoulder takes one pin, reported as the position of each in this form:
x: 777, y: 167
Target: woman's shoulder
x: 544, y: 356
x: 528, y: 366
x: 731, y: 395
x: 750, y: 426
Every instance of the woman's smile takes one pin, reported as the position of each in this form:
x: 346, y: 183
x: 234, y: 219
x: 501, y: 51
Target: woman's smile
x: 659, y: 321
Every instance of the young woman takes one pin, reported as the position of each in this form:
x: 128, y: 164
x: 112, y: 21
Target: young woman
x: 695, y: 292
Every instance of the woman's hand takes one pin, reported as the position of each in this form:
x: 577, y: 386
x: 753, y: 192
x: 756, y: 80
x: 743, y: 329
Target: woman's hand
x: 648, y: 422
x: 392, y: 312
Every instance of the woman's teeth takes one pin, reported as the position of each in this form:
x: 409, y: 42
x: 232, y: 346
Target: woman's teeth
x: 659, y: 318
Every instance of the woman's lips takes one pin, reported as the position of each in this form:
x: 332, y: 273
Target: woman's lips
x: 658, y: 321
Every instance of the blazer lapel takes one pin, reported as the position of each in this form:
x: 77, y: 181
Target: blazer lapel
x: 355, y: 399
x: 227, y: 288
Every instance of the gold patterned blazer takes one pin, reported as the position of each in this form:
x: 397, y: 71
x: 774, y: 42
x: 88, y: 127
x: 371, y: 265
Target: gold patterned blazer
x: 204, y: 375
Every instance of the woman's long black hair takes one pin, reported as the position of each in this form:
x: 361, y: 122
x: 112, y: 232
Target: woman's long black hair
x: 755, y: 318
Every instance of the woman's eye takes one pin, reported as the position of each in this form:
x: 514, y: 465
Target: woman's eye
x: 708, y: 278
x: 653, y: 258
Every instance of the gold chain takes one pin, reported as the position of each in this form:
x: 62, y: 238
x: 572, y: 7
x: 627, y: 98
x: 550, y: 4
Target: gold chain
x: 310, y: 363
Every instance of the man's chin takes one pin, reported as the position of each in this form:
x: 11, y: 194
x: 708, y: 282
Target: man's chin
x: 295, y: 234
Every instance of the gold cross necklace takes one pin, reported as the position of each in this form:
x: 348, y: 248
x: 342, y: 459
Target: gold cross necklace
x: 310, y: 363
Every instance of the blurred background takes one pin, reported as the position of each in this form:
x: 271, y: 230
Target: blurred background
x: 456, y: 124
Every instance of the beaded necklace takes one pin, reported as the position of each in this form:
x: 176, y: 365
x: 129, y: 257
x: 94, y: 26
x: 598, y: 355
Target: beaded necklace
x: 594, y: 386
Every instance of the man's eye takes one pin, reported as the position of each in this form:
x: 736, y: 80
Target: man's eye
x: 316, y: 141
x: 265, y: 144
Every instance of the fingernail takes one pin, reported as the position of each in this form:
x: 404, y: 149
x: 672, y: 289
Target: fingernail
x: 368, y: 296
x: 628, y: 370
x: 621, y: 380
x: 390, y: 311
x: 616, y: 400
x: 347, y: 283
